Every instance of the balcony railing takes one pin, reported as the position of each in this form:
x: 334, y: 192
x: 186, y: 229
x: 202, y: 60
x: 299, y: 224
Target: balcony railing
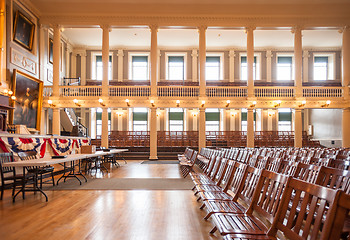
x: 193, y: 91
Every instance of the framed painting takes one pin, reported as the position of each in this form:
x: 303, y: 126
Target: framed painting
x: 50, y: 51
x: 23, y: 32
x: 27, y: 106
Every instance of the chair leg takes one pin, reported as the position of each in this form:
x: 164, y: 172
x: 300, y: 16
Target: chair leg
x: 2, y: 192
x: 213, y: 230
x: 41, y: 181
x: 53, y: 180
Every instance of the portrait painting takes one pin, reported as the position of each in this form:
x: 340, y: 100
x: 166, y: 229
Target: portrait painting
x: 50, y: 51
x: 28, y: 103
x: 23, y: 32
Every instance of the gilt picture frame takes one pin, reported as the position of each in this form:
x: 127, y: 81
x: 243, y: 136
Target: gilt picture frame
x: 23, y: 32
x: 28, y: 103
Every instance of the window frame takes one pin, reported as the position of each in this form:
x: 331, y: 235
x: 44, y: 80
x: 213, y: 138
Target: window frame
x: 175, y: 54
x: 133, y: 121
x: 331, y: 68
x: 257, y: 66
x: 183, y: 121
x: 94, y: 65
x: 292, y: 68
x: 143, y: 54
x: 221, y: 66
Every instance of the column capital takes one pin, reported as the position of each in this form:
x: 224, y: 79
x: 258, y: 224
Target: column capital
x: 153, y: 27
x: 194, y: 53
x: 344, y: 28
x: 269, y: 54
x: 120, y: 53
x: 201, y: 109
x: 306, y: 54
x: 232, y: 53
x: 202, y: 28
x: 296, y: 29
x: 106, y: 27
x: 55, y: 26
x: 249, y: 28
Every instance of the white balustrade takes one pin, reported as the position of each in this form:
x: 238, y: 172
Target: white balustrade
x: 178, y: 91
x: 80, y: 91
x: 226, y: 91
x: 129, y: 91
x: 325, y: 92
x: 47, y: 91
x: 274, y: 92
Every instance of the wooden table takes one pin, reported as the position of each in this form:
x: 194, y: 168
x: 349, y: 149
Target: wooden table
x: 48, y: 160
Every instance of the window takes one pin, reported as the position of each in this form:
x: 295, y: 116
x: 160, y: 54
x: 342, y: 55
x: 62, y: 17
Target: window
x: 212, y: 119
x: 323, y: 67
x: 97, y: 67
x: 213, y: 68
x: 140, y: 116
x: 139, y: 67
x: 244, y: 116
x: 176, y: 67
x: 99, y: 121
x: 284, y: 119
x: 176, y: 119
x: 244, y: 68
x: 284, y: 68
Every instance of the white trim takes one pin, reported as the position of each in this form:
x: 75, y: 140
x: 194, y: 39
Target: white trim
x: 130, y: 55
x: 177, y: 54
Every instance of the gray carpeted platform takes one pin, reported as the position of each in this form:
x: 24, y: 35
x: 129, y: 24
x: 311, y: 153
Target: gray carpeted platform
x: 125, y: 184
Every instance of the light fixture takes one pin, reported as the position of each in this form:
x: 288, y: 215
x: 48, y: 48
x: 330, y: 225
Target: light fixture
x: 277, y: 104
x: 152, y: 103
x: 203, y: 102
x: 228, y: 103
x: 233, y: 113
x: 326, y: 104
x: 100, y: 100
x: 120, y: 114
x: 76, y: 102
x: 50, y: 103
x: 13, y: 98
x: 302, y: 103
x: 177, y: 103
x: 271, y: 113
x: 253, y: 104
x: 127, y: 102
x: 194, y: 113
x: 9, y: 93
x: 158, y: 113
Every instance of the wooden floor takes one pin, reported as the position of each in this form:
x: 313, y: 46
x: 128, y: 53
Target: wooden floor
x: 108, y: 214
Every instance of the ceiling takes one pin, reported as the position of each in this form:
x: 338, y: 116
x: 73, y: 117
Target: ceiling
x: 140, y: 38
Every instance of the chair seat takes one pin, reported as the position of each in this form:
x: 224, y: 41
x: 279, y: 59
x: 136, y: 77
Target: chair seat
x: 228, y: 223
x: 19, y: 176
x: 41, y: 170
x: 217, y: 206
x: 207, y: 181
x: 246, y: 237
x: 206, y: 196
x: 208, y: 188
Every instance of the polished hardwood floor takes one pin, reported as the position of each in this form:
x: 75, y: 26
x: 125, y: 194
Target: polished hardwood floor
x: 108, y: 214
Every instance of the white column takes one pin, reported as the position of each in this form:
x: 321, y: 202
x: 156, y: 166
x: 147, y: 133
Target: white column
x: 56, y: 121
x: 104, y: 134
x: 306, y: 66
x: 298, y: 129
x: 153, y: 134
x: 201, y: 140
x: 268, y: 65
x: 56, y: 60
x: 194, y: 65
x: 232, y: 65
x: 73, y: 65
x: 68, y: 60
x: 202, y: 60
x: 120, y: 119
x: 298, y: 62
x: 250, y: 61
x: 195, y: 122
x: 154, y: 61
x: 346, y: 128
x: 120, y: 65
x: 105, y: 60
x: 233, y: 120
x: 250, y: 128
x: 83, y: 67
x: 43, y: 121
x: 346, y: 61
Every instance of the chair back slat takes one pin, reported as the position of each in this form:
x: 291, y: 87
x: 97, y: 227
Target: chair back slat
x: 238, y: 172
x: 306, y: 172
x: 248, y: 184
x: 334, y: 178
x: 5, y: 158
x: 287, y: 167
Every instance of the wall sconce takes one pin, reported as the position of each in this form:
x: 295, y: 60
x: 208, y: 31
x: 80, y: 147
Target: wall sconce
x: 228, y: 103
x: 13, y: 98
x: 158, y: 113
x: 194, y: 113
x: 120, y: 114
x: 177, y: 103
x: 302, y: 103
x: 326, y: 104
x: 233, y: 113
x: 277, y: 104
x: 152, y: 103
x: 100, y: 100
x: 271, y: 113
x: 127, y: 102
x: 203, y: 102
x: 253, y: 104
x: 76, y: 102
x: 50, y: 103
x: 9, y: 93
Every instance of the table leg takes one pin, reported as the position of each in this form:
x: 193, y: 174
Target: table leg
x: 72, y: 172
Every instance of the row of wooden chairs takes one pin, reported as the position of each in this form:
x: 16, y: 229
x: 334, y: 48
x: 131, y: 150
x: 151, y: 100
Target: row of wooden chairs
x: 187, y: 161
x: 263, y: 188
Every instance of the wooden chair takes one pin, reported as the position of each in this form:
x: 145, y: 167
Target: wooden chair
x: 340, y: 164
x: 187, y: 166
x: 39, y: 171
x: 287, y: 167
x: 334, y: 178
x: 9, y: 177
x: 265, y: 202
x: 306, y: 172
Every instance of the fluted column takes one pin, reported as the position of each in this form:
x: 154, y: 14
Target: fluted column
x: 56, y: 121
x: 153, y: 134
x: 202, y: 60
x: 56, y: 60
x: 105, y: 59
x: 104, y: 134
x: 120, y: 65
x: 250, y: 128
x: 298, y: 62
x: 154, y: 59
x: 201, y: 133
x: 250, y: 60
x: 298, y: 129
x: 83, y: 67
x: 346, y: 61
